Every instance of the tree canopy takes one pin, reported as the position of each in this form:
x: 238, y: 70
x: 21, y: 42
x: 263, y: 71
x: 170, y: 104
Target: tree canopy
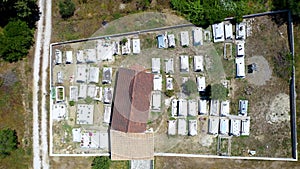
x: 102, y: 162
x: 218, y: 92
x: 15, y: 41
x: 8, y: 141
x: 189, y: 87
x: 66, y: 8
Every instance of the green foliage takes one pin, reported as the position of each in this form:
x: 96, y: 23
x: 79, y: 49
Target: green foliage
x: 169, y: 93
x: 15, y: 41
x: 189, y: 87
x: 8, y: 142
x: 219, y: 92
x: 123, y: 41
x: 283, y: 64
x: 71, y: 103
x: 66, y: 8
x: 25, y: 10
x: 102, y: 162
x: 88, y: 100
x: 206, y: 12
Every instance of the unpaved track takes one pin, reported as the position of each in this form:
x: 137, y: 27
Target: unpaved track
x: 40, y: 143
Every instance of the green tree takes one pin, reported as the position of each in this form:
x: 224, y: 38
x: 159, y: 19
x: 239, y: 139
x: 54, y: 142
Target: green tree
x: 15, y: 41
x: 66, y: 8
x: 219, y: 92
x: 102, y: 162
x: 189, y: 87
x: 8, y: 141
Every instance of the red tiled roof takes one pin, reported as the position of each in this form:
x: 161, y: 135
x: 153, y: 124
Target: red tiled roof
x: 132, y: 101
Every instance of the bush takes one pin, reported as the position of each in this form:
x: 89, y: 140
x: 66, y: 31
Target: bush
x: 169, y: 93
x: 189, y: 87
x: 15, y: 41
x: 66, y: 8
x: 219, y: 92
x: 102, y: 162
x: 8, y: 141
x: 71, y: 103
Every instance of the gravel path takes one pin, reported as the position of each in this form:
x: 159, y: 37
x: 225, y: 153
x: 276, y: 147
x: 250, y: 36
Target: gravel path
x: 263, y: 73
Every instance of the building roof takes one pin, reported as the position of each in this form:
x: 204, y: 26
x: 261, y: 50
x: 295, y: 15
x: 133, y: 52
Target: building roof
x: 131, y: 146
x: 58, y: 56
x: 241, y: 31
x: 126, y: 49
x: 98, y: 94
x: 73, y: 93
x: 235, y: 127
x: 184, y: 38
x: 156, y: 101
x: 243, y: 107
x: 160, y: 41
x: 224, y: 126
x: 108, y: 95
x: 169, y: 63
x: 107, y: 113
x: 245, y: 129
x: 105, y: 51
x: 136, y: 46
x: 60, y: 93
x: 172, y: 125
x: 157, y: 82
x: 79, y: 56
x: 201, y: 83
x: 198, y: 36
x: 192, y: 108
x: 59, y: 111
x: 228, y: 31
x: 93, y: 75
x: 213, y: 125
x: 81, y: 73
x: 169, y: 83
x: 132, y: 101
x: 76, y: 134
x: 90, y: 139
x: 155, y: 65
x: 240, y: 48
x: 184, y: 63
x: 225, y: 108
x: 174, y: 107
x: 214, y: 107
x: 182, y: 127
x: 182, y: 107
x: 107, y: 75
x: 218, y: 32
x: 69, y: 57
x: 171, y: 40
x: 198, y: 63
x: 82, y: 91
x: 91, y: 89
x: 193, y: 127
x: 202, y: 107
x: 91, y: 56
x: 60, y: 78
x: 240, y: 67
x: 104, y: 140
x: 85, y: 114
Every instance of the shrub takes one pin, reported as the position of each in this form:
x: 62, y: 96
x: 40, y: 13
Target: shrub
x: 8, y: 141
x: 66, y: 8
x: 189, y: 87
x: 102, y: 162
x: 169, y: 93
x: 219, y: 92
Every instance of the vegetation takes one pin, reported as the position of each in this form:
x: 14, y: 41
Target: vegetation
x: 218, y: 92
x: 293, y: 5
x: 283, y: 64
x: 71, y: 103
x: 169, y: 93
x: 123, y: 41
x: 66, y: 8
x: 15, y: 41
x: 102, y: 162
x: 189, y: 87
x: 8, y: 142
x: 17, y: 18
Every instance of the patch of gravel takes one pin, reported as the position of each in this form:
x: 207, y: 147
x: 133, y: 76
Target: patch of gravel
x: 206, y: 140
x: 279, y: 109
x: 263, y: 73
